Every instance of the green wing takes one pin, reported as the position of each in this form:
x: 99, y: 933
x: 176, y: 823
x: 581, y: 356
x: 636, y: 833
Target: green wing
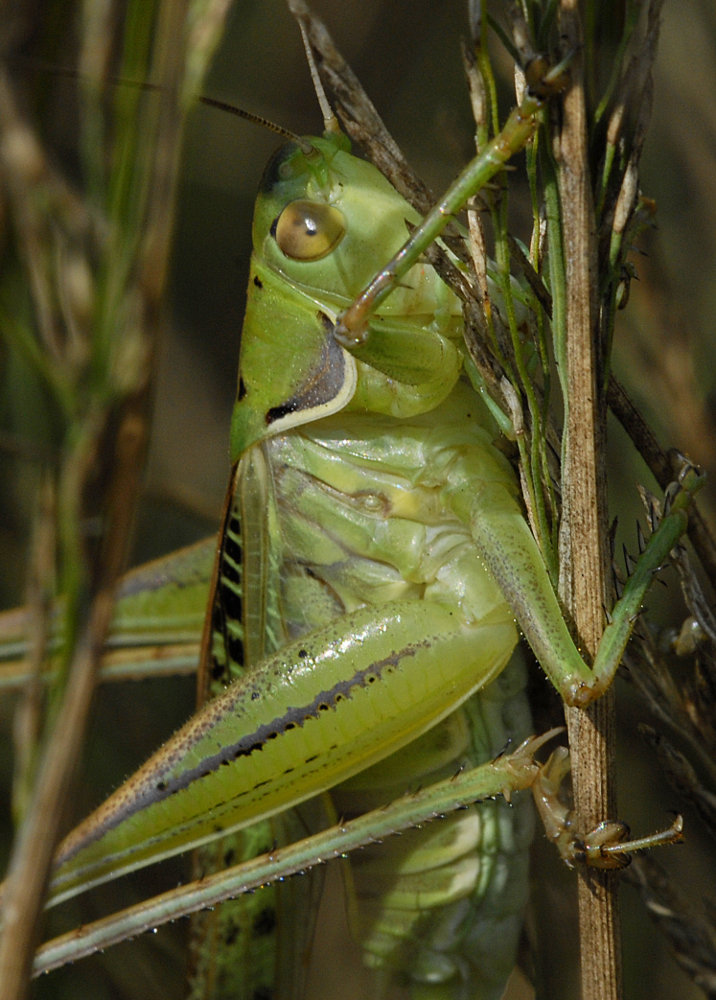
x: 157, y: 625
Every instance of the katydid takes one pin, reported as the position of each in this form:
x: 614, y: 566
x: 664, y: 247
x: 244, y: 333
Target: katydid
x: 371, y: 564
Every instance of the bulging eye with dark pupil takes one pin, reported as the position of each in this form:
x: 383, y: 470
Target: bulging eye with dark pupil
x: 308, y: 230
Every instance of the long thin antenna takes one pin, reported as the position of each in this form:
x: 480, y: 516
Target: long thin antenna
x: 249, y: 116
x: 330, y: 122
x: 211, y: 102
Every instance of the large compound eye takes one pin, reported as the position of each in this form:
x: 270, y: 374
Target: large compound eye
x: 308, y: 230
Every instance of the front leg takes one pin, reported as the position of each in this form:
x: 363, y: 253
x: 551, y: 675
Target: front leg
x: 510, y: 552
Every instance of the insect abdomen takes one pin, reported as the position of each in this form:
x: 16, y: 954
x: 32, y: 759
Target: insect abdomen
x: 440, y: 908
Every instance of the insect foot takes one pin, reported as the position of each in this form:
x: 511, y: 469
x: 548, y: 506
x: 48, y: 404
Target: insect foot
x: 606, y: 846
x: 522, y: 771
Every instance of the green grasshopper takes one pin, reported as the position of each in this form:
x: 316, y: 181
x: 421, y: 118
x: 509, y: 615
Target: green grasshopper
x: 371, y: 565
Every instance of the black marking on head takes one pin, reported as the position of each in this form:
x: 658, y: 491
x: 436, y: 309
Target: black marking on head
x: 275, y: 171
x: 322, y: 385
x: 276, y: 412
x: 242, y: 389
x: 258, y: 283
x: 327, y: 323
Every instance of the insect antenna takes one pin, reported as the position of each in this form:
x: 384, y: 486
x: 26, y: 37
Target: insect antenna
x: 211, y: 102
x: 249, y: 116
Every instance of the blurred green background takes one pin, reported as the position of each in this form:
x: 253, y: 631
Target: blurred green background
x: 407, y: 57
